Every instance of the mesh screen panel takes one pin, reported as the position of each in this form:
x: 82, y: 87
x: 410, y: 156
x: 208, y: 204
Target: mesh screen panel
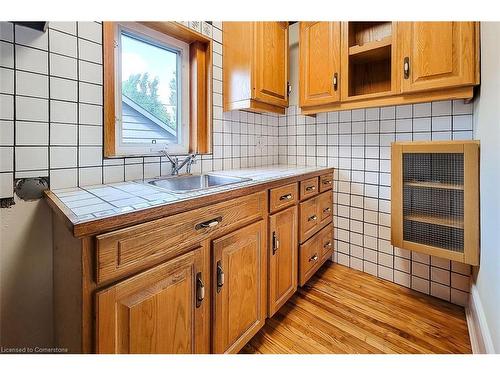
x: 433, y: 199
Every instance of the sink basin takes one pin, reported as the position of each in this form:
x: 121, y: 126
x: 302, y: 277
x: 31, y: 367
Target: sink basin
x: 190, y: 183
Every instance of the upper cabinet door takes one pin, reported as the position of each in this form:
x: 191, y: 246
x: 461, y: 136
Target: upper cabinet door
x: 437, y: 55
x: 160, y: 311
x: 319, y: 63
x: 239, y: 287
x: 270, y: 78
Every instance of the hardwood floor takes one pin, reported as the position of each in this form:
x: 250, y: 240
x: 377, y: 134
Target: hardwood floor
x: 341, y: 310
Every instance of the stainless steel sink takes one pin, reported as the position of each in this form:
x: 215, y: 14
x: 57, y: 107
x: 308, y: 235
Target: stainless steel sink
x: 189, y: 183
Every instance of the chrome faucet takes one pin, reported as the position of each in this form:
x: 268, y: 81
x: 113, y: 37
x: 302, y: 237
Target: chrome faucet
x: 177, y: 165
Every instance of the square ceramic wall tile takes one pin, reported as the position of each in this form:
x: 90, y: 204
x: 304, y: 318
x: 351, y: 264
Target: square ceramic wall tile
x: 32, y: 60
x: 31, y: 158
x: 62, y: 43
x: 29, y: 133
x: 63, y: 66
x: 32, y: 109
x: 6, y: 159
x: 32, y: 84
x: 6, y: 133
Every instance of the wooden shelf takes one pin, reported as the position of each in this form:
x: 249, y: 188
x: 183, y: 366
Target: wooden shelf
x: 434, y: 185
x: 371, y: 51
x: 451, y: 222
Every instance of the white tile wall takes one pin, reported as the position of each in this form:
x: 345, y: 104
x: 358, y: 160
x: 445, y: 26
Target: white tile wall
x: 357, y: 144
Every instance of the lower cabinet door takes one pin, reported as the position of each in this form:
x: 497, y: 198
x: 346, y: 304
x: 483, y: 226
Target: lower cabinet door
x: 163, y: 310
x: 283, y: 253
x: 239, y: 287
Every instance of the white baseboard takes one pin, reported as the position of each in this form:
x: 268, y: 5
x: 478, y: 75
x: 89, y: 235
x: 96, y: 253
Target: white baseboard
x: 479, y: 333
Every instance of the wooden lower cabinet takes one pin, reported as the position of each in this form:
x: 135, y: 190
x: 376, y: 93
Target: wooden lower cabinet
x: 162, y: 310
x: 283, y: 254
x: 239, y: 287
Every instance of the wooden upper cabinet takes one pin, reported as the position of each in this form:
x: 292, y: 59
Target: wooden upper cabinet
x: 255, y: 66
x: 239, y: 288
x: 283, y: 253
x: 438, y: 55
x: 163, y: 310
x: 319, y: 63
x: 271, y: 66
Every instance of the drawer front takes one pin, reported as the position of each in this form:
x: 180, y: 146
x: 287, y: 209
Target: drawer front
x: 283, y: 196
x: 325, y: 201
x: 326, y: 242
x: 308, y: 188
x: 131, y: 249
x: 325, y: 182
x: 308, y: 218
x: 310, y: 254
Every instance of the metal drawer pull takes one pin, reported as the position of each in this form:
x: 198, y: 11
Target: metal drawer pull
x: 310, y: 188
x: 220, y: 276
x: 209, y: 224
x: 328, y: 209
x: 312, y: 218
x: 327, y: 245
x: 286, y: 197
x: 200, y: 290
x: 276, y: 243
x: 314, y: 258
x: 335, y: 81
x: 327, y: 182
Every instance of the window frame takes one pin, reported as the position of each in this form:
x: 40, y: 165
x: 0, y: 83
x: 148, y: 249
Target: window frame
x: 155, y: 38
x: 198, y: 95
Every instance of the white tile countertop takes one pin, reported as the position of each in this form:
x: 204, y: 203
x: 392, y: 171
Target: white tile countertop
x: 89, y: 203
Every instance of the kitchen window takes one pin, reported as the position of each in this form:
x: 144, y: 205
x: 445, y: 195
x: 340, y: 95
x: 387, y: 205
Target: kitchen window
x: 152, y: 91
x: 150, y: 102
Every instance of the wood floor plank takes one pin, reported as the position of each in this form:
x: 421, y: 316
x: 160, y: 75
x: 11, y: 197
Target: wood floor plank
x: 341, y: 310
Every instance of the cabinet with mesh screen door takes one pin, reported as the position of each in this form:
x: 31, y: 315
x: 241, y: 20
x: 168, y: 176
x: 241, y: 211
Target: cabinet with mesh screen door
x: 435, y: 198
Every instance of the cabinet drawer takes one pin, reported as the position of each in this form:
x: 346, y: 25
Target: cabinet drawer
x: 326, y: 243
x: 131, y: 249
x: 325, y: 182
x: 308, y: 188
x: 314, y: 214
x: 325, y: 201
x: 282, y: 197
x: 310, y: 253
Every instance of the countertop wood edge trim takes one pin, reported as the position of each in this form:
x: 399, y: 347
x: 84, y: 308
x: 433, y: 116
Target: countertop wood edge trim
x: 109, y: 223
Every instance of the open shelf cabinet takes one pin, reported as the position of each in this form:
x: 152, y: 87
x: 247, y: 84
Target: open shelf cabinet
x: 368, y: 53
x: 435, y: 198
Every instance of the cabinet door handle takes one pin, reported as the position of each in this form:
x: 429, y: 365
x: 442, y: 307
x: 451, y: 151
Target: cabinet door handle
x: 314, y: 258
x: 276, y: 243
x: 220, y: 276
x: 288, y: 88
x: 200, y: 290
x: 335, y: 81
x: 209, y: 224
x: 406, y: 67
x: 328, y: 209
x: 312, y: 218
x: 310, y: 188
x: 327, y: 245
x: 327, y: 182
x: 286, y: 197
